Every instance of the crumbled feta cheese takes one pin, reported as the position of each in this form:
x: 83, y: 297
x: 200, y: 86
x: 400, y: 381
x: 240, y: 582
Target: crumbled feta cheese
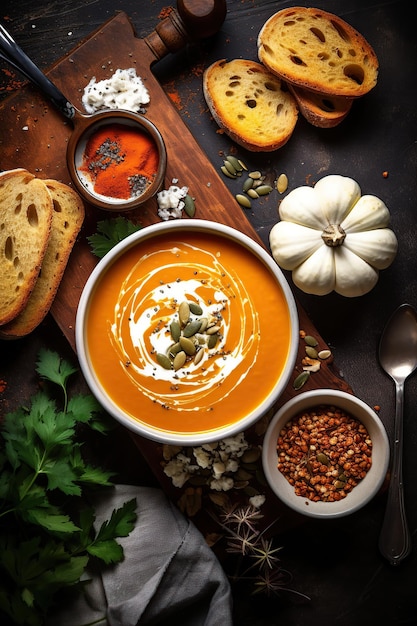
x: 171, y: 202
x: 257, y: 501
x: 124, y: 90
x: 220, y: 457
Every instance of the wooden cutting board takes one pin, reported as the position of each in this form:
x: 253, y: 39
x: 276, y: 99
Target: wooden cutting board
x: 34, y: 135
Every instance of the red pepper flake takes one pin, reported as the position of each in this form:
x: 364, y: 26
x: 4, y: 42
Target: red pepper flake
x: 3, y: 385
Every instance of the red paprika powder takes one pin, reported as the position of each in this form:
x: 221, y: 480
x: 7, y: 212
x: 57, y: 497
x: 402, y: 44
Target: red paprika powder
x: 121, y: 161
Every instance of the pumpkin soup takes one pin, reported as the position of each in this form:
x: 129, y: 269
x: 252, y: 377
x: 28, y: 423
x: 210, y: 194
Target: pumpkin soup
x: 188, y: 331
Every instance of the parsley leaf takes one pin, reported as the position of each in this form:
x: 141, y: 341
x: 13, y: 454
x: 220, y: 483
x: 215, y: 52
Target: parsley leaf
x: 109, y: 233
x: 47, y: 533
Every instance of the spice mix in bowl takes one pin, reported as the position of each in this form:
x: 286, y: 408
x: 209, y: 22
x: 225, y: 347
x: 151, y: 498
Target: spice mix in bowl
x: 118, y: 161
x: 187, y: 332
x: 325, y: 453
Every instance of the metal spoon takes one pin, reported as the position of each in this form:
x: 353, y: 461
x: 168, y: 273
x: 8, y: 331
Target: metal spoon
x: 398, y: 357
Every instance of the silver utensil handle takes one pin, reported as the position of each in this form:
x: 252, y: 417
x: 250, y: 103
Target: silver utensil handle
x: 13, y: 54
x: 395, y: 540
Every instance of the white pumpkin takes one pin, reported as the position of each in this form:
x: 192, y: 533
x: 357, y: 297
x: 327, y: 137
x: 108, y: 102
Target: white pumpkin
x: 332, y: 238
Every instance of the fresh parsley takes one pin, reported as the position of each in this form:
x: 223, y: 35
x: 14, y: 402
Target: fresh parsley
x: 109, y: 233
x: 47, y: 533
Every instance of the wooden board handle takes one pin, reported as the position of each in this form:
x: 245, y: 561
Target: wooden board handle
x: 192, y: 20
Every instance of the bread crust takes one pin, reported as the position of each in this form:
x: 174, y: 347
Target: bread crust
x: 25, y: 226
x: 67, y: 219
x: 317, y: 50
x: 251, y: 105
x: 319, y: 109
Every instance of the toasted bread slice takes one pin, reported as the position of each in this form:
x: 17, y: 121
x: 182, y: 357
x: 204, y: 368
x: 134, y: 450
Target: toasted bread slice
x: 321, y: 110
x: 250, y: 104
x: 67, y: 219
x: 25, y: 225
x: 317, y: 50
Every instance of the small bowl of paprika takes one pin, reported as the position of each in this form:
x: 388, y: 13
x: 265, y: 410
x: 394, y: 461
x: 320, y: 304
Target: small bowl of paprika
x: 117, y: 160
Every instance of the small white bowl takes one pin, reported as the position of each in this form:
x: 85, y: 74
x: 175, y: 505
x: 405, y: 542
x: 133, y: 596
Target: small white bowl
x: 117, y: 352
x: 367, y: 488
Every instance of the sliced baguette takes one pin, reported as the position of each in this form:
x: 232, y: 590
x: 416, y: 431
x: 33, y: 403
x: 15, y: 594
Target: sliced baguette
x: 67, y: 219
x: 321, y: 110
x: 317, y: 50
x: 25, y: 225
x: 250, y: 104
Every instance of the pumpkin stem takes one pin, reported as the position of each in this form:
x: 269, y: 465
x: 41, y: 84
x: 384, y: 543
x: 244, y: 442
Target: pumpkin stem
x: 333, y: 235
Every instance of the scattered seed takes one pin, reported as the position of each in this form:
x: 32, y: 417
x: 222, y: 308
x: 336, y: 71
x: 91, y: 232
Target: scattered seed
x: 255, y: 175
x: 264, y: 190
x: 226, y: 172
x: 248, y: 184
x: 252, y: 193
x: 187, y: 345
x: 236, y: 164
x: 164, y: 361
x: 191, y: 328
x: 311, y: 341
x: 324, y: 354
x: 184, y: 312
x: 179, y: 360
x: 199, y: 355
x: 301, y: 380
x: 282, y: 183
x: 174, y: 349
x: 232, y: 170
x: 212, y: 330
x: 243, y: 165
x: 195, y: 308
x: 212, y: 341
x: 175, y: 330
x: 311, y: 352
x: 243, y: 201
x: 189, y: 205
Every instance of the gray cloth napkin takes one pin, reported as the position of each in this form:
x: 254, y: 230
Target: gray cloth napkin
x: 168, y: 576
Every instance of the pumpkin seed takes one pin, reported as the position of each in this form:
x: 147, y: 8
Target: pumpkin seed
x: 212, y: 330
x: 311, y: 341
x: 179, y: 360
x: 243, y: 165
x: 324, y: 354
x: 174, y: 349
x: 164, y: 361
x: 175, y: 330
x: 255, y: 175
x: 184, y: 312
x: 311, y: 352
x: 282, y: 183
x: 263, y: 190
x: 187, y: 345
x: 199, y: 355
x: 204, y: 324
x: 301, y: 380
x: 252, y: 193
x: 212, y: 341
x: 243, y: 201
x: 192, y: 328
x: 195, y: 308
x: 248, y: 184
x: 234, y: 162
x: 189, y: 205
x: 232, y: 170
x: 322, y: 458
x: 226, y: 172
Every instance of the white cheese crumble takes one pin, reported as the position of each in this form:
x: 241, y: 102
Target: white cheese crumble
x: 221, y: 458
x: 124, y: 90
x: 171, y: 202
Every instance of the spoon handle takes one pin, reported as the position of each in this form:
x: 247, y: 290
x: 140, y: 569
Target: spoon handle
x: 13, y: 54
x: 394, y: 540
